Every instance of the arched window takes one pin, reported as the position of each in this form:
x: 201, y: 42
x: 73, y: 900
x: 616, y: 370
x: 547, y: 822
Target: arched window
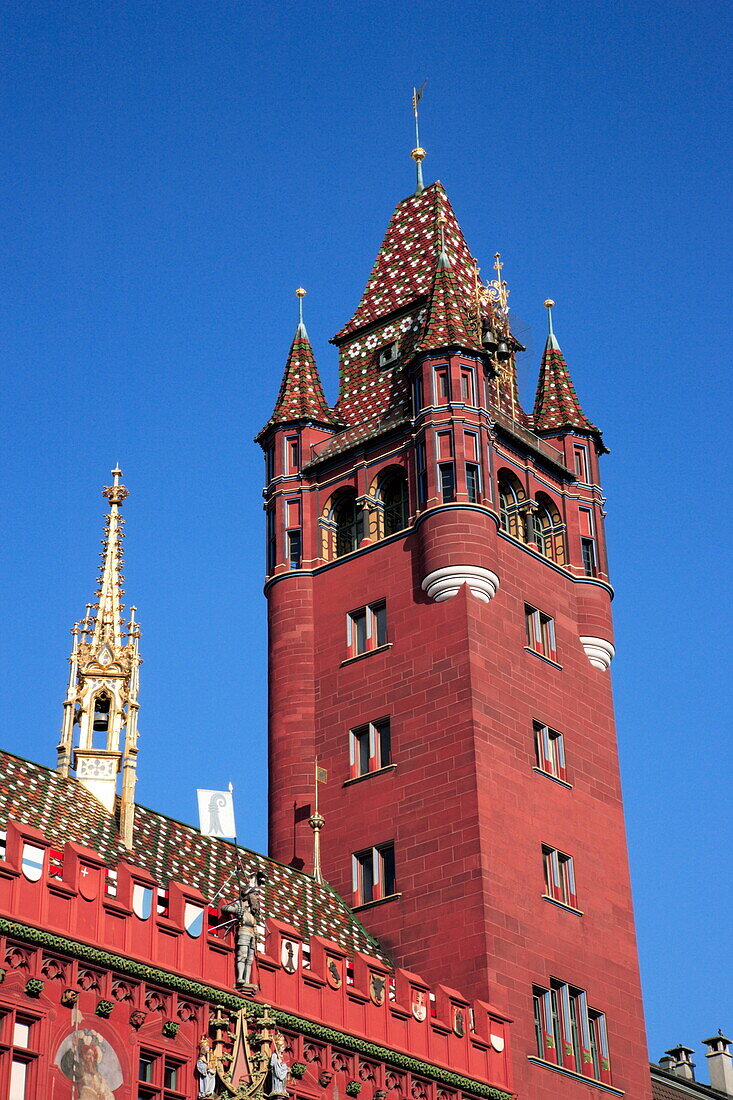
x: 349, y: 521
x: 549, y: 530
x: 393, y: 494
x: 101, y: 713
x: 511, y: 499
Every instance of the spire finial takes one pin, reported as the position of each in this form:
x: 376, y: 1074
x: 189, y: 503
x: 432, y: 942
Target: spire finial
x: 300, y: 295
x: 316, y: 822
x: 418, y: 154
x: 441, y: 230
x: 548, y: 306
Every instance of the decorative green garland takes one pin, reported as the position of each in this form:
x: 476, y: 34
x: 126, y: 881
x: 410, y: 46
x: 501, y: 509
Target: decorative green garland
x: 214, y: 996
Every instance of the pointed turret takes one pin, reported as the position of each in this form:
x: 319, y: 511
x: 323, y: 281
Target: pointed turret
x: 556, y: 405
x: 446, y: 323
x: 102, y: 694
x: 301, y: 395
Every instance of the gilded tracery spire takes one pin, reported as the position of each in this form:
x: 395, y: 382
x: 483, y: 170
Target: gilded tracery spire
x: 102, y: 694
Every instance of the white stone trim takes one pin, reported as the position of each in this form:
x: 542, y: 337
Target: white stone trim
x: 444, y: 583
x: 599, y: 652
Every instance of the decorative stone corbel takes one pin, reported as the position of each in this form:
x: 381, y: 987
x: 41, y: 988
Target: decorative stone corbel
x: 599, y: 652
x: 444, y: 583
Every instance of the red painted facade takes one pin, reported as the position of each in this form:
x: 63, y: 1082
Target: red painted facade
x: 138, y: 980
x: 465, y: 800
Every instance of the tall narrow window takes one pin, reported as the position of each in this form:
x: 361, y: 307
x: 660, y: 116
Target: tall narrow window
x: 292, y: 454
x: 421, y: 469
x: 447, y: 481
x: 417, y: 394
x: 294, y: 549
x: 580, y: 460
x: 442, y: 385
x: 472, y: 483
x: 271, y: 541
x: 540, y: 632
x: 511, y: 499
x: 18, y: 1055
x: 588, y: 542
x: 393, y: 493
x: 549, y: 530
x: 468, y: 386
x: 270, y: 463
x: 349, y: 519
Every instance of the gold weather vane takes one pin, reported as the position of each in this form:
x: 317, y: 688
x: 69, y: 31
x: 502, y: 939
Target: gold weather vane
x: 418, y: 154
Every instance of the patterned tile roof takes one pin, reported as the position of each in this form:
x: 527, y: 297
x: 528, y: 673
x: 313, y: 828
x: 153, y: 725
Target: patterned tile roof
x: 169, y: 850
x: 446, y: 322
x: 301, y: 394
x: 356, y: 437
x: 556, y: 404
x: 403, y: 269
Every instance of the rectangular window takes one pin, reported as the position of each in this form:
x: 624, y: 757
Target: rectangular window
x: 18, y: 1056
x: 590, y: 567
x: 569, y: 1033
x: 580, y: 460
x: 468, y: 386
x: 160, y: 1077
x: 559, y: 876
x: 370, y: 747
x: 442, y: 385
x: 540, y: 632
x: 366, y: 628
x: 374, y: 874
x: 549, y: 751
x: 472, y: 483
x: 447, y: 481
x: 292, y: 454
x: 294, y: 549
x: 271, y: 541
x: 417, y: 394
x: 421, y: 470
x: 270, y: 463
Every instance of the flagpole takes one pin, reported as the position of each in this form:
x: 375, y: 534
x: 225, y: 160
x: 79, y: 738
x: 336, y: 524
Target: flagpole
x: 316, y: 822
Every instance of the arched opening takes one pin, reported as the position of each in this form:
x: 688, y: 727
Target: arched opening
x: 511, y: 498
x: 395, y: 502
x: 101, y: 715
x: 549, y: 530
x: 348, y: 519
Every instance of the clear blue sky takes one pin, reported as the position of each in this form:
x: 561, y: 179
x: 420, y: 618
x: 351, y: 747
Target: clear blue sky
x: 172, y: 171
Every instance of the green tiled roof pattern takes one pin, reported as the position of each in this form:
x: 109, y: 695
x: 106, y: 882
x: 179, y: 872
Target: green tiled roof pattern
x: 301, y: 394
x: 170, y: 850
x: 556, y: 404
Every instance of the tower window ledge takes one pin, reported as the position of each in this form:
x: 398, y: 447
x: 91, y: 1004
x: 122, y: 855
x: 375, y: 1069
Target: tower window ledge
x: 368, y: 775
x: 375, y: 903
x: 554, y: 778
x: 601, y: 1085
x: 369, y: 653
x: 563, y: 905
x: 541, y: 657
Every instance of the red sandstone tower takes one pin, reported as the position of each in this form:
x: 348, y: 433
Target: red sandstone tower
x: 440, y: 637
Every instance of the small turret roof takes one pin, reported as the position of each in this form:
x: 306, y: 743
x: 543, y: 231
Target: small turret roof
x: 301, y: 395
x: 556, y: 404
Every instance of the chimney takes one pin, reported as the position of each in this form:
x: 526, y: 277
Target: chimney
x: 679, y: 1062
x: 720, y: 1063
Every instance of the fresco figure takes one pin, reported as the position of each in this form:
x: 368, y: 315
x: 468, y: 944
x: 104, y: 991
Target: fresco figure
x: 90, y: 1063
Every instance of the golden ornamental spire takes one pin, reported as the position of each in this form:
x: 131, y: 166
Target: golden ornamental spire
x: 418, y: 154
x: 102, y: 693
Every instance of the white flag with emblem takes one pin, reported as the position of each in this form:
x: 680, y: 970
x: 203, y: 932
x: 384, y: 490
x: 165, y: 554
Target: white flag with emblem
x: 216, y: 813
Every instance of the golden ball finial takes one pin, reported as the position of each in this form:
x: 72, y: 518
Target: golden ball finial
x: 549, y: 303
x: 300, y: 293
